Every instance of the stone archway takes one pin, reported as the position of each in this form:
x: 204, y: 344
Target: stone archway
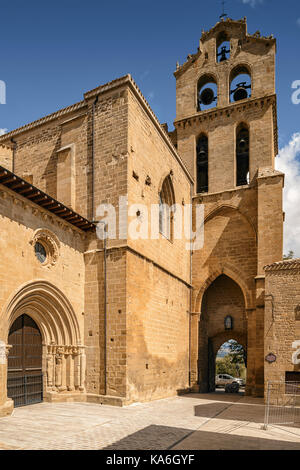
x: 222, y: 297
x: 63, y: 358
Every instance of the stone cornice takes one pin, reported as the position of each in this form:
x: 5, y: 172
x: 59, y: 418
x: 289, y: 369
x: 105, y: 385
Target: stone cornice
x: 221, y: 25
x: 126, y: 80
x: 268, y: 172
x: 290, y: 264
x: 227, y: 111
x: 43, y: 120
x: 203, y: 197
x: 211, y: 114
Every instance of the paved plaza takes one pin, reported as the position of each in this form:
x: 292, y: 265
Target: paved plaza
x: 212, y: 421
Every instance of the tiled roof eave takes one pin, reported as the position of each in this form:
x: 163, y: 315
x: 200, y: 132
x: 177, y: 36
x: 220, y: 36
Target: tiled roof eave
x: 36, y: 196
x: 284, y: 265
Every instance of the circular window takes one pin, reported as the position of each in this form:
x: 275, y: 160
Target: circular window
x: 40, y: 252
x: 46, y: 247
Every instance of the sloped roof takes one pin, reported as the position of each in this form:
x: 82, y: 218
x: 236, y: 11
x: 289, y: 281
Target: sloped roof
x: 284, y: 265
x: 35, y: 195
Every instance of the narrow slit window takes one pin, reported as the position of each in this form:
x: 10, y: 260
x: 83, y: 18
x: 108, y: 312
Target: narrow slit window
x: 202, y: 164
x: 242, y: 156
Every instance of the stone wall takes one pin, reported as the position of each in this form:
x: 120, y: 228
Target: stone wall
x: 158, y: 270
x: 282, y: 319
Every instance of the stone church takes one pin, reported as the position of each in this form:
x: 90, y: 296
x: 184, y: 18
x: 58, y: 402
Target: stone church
x: 126, y: 320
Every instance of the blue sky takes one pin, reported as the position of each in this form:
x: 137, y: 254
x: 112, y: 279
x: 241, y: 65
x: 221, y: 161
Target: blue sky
x: 51, y: 53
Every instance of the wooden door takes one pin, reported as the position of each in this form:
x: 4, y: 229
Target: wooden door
x: 24, y: 375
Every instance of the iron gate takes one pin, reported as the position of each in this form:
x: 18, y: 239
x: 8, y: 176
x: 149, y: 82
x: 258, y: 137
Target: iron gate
x: 283, y: 404
x: 25, y: 390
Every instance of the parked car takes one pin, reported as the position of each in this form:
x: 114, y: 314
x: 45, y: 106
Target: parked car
x: 223, y: 379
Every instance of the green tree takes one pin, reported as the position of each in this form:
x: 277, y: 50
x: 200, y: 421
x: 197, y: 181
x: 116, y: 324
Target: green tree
x: 237, y: 353
x: 225, y: 366
x: 290, y: 255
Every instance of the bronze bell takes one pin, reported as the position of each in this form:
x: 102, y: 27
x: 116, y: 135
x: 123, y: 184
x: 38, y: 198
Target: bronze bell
x: 242, y: 143
x: 223, y: 54
x: 207, y: 96
x: 240, y: 93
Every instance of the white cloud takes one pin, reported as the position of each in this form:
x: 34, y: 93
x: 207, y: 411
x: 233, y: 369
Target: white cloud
x: 252, y: 3
x: 288, y: 162
x: 3, y: 131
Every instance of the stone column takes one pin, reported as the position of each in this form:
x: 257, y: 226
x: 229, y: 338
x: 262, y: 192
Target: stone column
x: 194, y: 350
x: 50, y: 370
x: 70, y: 369
x: 82, y: 369
x: 63, y: 372
x: 58, y: 371
x: 6, y: 405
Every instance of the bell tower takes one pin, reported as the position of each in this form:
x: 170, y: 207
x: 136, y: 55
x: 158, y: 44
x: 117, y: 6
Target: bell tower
x: 226, y: 133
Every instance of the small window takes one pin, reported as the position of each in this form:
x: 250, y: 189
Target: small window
x: 40, y: 252
x: 228, y: 323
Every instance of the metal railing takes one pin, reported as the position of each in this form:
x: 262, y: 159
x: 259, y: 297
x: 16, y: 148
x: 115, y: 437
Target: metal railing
x: 25, y: 389
x: 282, y: 404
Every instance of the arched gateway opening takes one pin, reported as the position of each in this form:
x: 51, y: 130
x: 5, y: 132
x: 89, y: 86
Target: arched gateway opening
x: 231, y: 365
x: 24, y: 374
x: 222, y: 318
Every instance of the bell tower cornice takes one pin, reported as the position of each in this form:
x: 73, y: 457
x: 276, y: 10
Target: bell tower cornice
x: 232, y: 110
x: 234, y: 28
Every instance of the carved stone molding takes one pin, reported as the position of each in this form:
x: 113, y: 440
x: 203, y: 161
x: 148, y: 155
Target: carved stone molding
x: 65, y: 368
x: 4, y: 351
x: 50, y: 243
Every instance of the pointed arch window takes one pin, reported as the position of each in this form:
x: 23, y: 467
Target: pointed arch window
x: 166, y: 208
x: 242, y: 155
x: 202, y: 164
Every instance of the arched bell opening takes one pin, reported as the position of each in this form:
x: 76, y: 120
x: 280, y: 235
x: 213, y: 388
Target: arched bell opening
x: 202, y: 164
x: 242, y: 155
x: 223, y: 47
x: 207, y: 93
x: 240, y: 84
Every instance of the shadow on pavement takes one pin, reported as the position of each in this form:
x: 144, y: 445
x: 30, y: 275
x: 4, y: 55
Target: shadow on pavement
x: 156, y: 437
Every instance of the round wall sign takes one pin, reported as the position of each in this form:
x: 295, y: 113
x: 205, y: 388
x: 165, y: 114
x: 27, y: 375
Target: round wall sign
x: 271, y: 357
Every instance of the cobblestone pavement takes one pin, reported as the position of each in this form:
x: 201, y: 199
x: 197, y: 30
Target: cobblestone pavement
x: 214, y: 421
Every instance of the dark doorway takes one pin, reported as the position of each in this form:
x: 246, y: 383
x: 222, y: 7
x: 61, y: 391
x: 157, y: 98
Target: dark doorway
x: 24, y: 375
